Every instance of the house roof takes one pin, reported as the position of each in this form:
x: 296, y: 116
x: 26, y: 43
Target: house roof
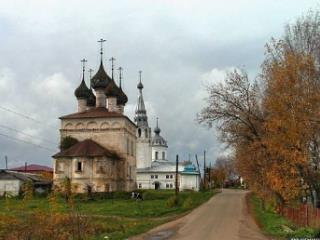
x: 32, y: 167
x: 99, y: 112
x: 87, y: 148
x: 11, y: 175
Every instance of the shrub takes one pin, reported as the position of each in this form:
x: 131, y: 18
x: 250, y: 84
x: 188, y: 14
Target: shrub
x: 173, y: 201
x: 188, y: 203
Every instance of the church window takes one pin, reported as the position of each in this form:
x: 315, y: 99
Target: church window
x: 167, y: 176
x: 167, y: 185
x: 152, y: 176
x: 128, y: 146
x: 140, y: 186
x: 79, y: 166
x: 163, y: 155
x: 156, y: 155
x: 171, y: 176
x: 146, y: 133
x: 156, y: 176
x: 139, y: 132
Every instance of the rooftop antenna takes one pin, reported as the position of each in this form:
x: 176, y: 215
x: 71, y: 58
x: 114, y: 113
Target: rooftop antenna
x: 112, y: 59
x: 101, y: 41
x: 120, y: 76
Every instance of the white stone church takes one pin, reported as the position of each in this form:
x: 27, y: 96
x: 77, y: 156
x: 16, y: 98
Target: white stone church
x: 112, y: 152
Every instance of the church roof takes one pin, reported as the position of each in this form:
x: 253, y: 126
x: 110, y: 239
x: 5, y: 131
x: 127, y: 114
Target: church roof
x: 100, y: 79
x: 87, y: 148
x: 162, y: 166
x: 158, y: 140
x: 82, y: 91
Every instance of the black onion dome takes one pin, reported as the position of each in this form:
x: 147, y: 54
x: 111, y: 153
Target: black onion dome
x: 122, y: 98
x: 112, y: 89
x: 82, y: 91
x: 140, y: 85
x: 91, y: 102
x: 100, y: 79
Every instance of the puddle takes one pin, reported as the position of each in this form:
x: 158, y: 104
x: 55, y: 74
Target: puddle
x: 161, y: 235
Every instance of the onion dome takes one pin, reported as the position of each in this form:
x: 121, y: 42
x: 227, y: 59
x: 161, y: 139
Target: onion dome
x: 122, y: 98
x: 91, y: 101
x: 112, y: 90
x: 157, y: 140
x: 140, y: 85
x: 100, y: 79
x: 82, y: 92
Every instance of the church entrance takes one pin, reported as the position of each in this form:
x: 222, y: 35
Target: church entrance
x: 156, y: 185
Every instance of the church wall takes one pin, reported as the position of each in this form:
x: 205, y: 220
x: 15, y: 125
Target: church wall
x: 160, y: 150
x: 190, y: 182
x: 101, y: 173
x: 116, y: 134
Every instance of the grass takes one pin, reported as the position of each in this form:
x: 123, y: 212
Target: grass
x: 118, y: 218
x: 277, y: 226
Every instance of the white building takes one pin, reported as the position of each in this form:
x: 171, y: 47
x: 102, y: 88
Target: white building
x: 154, y: 170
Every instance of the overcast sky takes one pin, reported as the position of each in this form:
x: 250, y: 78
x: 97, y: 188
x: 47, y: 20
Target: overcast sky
x: 179, y: 45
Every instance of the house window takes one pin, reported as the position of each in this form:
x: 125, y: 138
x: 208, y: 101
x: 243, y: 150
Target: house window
x: 156, y: 157
x: 100, y: 167
x: 59, y: 167
x: 79, y: 166
x: 167, y: 176
x: 167, y: 185
x: 152, y: 177
x: 140, y: 186
x: 171, y: 176
x: 139, y: 132
x: 156, y: 176
x: 163, y: 155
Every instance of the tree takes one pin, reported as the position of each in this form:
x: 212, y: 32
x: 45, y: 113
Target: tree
x: 67, y: 142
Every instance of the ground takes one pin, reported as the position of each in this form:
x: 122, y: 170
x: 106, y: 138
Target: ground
x: 116, y: 218
x: 224, y: 216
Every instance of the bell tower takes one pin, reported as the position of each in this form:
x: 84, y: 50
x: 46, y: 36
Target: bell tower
x: 143, y: 131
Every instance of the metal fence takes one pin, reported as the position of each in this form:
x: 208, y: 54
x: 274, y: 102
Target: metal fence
x: 304, y: 215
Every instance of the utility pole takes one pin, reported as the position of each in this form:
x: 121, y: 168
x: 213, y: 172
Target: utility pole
x: 204, y: 170
x: 177, y: 164
x: 6, y: 160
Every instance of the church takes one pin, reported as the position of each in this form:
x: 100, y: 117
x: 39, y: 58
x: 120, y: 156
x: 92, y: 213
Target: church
x: 113, y: 153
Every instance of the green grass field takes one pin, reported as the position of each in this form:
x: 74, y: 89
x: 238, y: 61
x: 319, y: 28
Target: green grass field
x: 115, y: 218
x: 277, y: 226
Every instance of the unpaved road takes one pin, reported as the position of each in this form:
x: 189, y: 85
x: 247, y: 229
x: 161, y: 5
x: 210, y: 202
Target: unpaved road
x: 225, y: 216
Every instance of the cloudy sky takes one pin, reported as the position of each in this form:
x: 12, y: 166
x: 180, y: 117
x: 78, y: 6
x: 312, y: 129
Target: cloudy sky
x: 179, y: 45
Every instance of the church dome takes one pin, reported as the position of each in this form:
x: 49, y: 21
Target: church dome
x: 158, y: 140
x: 140, y: 85
x: 91, y: 102
x: 100, y: 79
x: 82, y: 91
x: 122, y: 98
x: 112, y: 90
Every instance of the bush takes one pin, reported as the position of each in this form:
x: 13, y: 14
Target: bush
x: 188, y: 203
x: 173, y: 201
x: 156, y: 194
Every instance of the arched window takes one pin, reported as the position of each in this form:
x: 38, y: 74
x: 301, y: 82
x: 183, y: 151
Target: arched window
x: 163, y: 155
x: 156, y: 155
x: 139, y: 132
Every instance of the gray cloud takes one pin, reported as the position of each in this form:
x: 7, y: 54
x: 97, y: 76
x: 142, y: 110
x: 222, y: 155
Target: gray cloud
x: 177, y: 44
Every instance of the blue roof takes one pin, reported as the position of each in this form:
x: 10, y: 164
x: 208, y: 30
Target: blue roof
x: 190, y: 169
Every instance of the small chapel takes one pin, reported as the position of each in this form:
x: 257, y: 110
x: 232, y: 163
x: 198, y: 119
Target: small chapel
x: 104, y: 157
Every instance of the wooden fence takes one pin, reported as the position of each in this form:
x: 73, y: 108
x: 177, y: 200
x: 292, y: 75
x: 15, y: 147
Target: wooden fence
x: 304, y: 215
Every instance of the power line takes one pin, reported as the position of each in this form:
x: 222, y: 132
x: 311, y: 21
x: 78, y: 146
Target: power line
x: 27, y: 142
x: 24, y: 116
x: 28, y: 135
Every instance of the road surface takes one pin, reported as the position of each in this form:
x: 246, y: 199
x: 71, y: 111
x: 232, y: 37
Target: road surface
x: 225, y: 216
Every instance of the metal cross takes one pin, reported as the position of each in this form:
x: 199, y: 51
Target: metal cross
x: 101, y: 41
x: 83, y: 61
x: 120, y: 75
x: 112, y: 59
x: 90, y: 72
x: 140, y: 72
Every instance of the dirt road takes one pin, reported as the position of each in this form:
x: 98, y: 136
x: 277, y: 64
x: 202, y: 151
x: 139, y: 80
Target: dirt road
x: 225, y: 216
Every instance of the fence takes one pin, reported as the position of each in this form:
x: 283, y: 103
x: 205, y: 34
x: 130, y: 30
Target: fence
x: 304, y: 215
